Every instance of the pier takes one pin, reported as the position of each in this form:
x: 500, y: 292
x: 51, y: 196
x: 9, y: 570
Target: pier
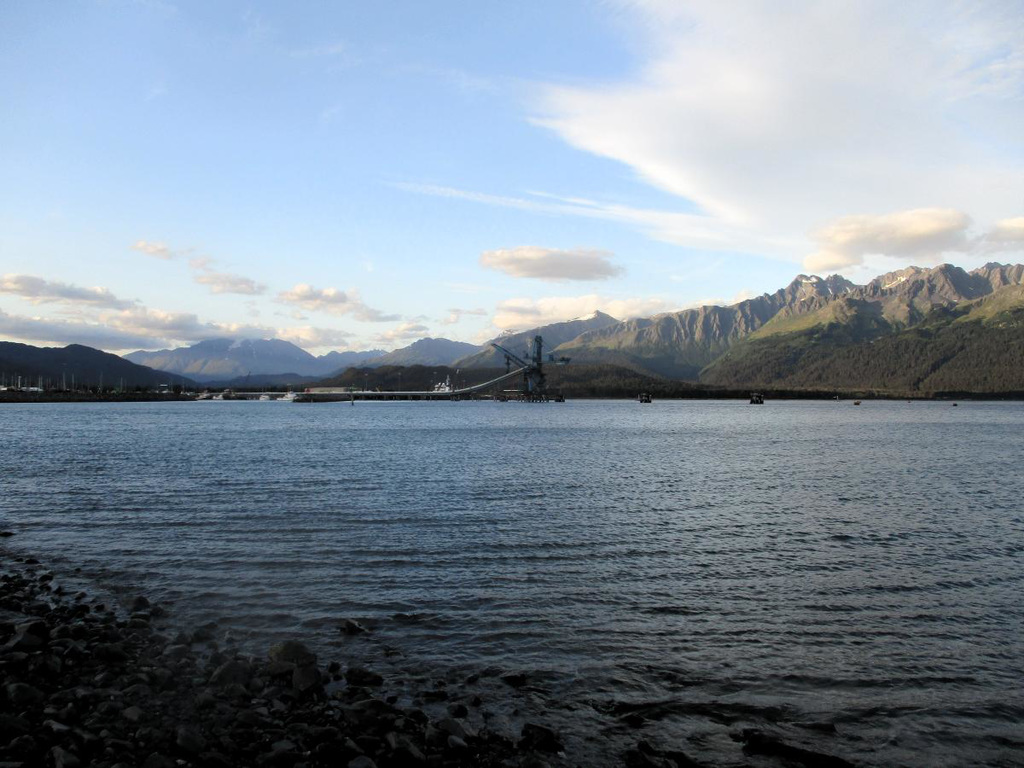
x: 529, y: 370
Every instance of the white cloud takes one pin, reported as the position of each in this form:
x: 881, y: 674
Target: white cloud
x: 675, y: 227
x: 529, y: 313
x: 1005, y: 235
x: 39, y: 291
x: 156, y: 250
x: 741, y: 295
x: 771, y: 118
x: 404, y: 332
x: 308, y: 336
x: 184, y: 326
x: 551, y: 264
x: 924, y: 233
x: 334, y: 302
x: 456, y: 314
x: 51, y: 331
x: 225, y: 282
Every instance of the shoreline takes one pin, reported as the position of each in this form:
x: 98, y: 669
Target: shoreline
x: 119, y: 685
x: 13, y: 398
x: 113, y: 686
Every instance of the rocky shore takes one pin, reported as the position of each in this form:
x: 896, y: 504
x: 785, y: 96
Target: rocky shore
x: 112, y: 686
x: 85, y: 682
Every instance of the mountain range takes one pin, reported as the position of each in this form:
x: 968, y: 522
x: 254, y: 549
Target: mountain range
x: 691, y: 344
x: 554, y: 334
x: 424, y: 352
x: 235, y: 359
x: 911, y: 330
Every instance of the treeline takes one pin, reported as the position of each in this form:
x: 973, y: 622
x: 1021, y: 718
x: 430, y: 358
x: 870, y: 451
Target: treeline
x: 574, y: 381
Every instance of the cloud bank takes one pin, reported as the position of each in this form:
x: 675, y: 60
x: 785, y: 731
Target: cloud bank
x: 156, y: 250
x: 334, y: 302
x: 922, y: 233
x: 551, y: 264
x: 524, y: 313
x: 404, y: 332
x: 225, y: 282
x: 770, y: 118
x: 39, y: 291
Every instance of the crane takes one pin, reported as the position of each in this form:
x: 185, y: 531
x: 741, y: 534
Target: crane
x: 534, y: 379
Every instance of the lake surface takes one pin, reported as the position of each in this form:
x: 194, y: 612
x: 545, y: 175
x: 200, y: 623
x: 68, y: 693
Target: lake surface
x: 708, y: 566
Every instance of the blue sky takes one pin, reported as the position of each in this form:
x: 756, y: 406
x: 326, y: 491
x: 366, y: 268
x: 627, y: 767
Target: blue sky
x: 349, y: 175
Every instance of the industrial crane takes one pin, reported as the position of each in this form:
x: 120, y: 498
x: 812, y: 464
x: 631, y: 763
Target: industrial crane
x: 534, y: 379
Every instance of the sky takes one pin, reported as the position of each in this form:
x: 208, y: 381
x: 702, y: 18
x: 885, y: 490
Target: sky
x: 361, y: 175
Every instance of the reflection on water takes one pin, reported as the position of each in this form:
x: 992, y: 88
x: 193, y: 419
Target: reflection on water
x: 687, y: 568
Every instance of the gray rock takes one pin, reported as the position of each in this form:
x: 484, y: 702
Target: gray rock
x: 175, y: 652
x: 140, y: 604
x: 350, y: 627
x: 56, y: 727
x: 156, y: 760
x: 306, y: 679
x: 29, y: 636
x: 362, y: 761
x: 24, y: 642
x: 453, y: 727
x: 132, y: 714
x: 21, y: 694
x: 234, y: 672
x: 363, y: 677
x: 279, y: 669
x: 294, y: 652
x: 454, y: 742
x: 408, y: 753
x: 370, y: 711
x: 190, y: 740
x: 64, y: 759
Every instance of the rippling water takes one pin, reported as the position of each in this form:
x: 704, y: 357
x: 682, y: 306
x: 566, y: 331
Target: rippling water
x: 708, y: 566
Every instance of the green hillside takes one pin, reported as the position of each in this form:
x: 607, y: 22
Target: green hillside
x: 976, y: 346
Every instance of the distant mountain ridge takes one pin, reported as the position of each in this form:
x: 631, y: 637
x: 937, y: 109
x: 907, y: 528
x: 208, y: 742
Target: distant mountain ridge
x: 60, y: 366
x: 231, y: 359
x: 681, y: 344
x: 426, y: 351
x: 554, y: 334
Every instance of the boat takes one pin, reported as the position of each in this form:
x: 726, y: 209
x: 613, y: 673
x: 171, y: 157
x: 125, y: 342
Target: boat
x: 644, y: 397
x: 756, y: 398
x: 288, y: 397
x: 264, y: 398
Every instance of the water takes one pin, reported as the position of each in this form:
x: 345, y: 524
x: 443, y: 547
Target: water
x: 710, y: 566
